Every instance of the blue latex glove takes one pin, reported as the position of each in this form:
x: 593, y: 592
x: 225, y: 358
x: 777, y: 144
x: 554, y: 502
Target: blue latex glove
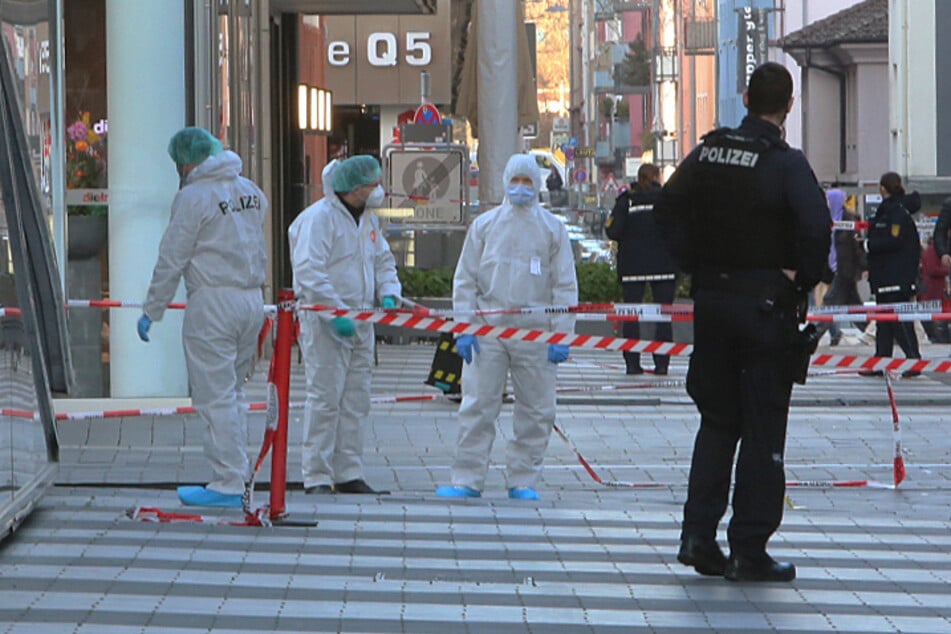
x: 343, y: 326
x: 465, y: 344
x: 389, y: 302
x: 557, y: 352
x: 143, y: 327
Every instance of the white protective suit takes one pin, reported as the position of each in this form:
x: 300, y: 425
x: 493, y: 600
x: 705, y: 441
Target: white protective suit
x: 513, y: 257
x: 215, y: 239
x: 337, y: 262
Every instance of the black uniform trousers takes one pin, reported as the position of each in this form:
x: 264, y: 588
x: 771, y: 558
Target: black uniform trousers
x: 740, y: 380
x: 888, y: 332
x: 663, y: 293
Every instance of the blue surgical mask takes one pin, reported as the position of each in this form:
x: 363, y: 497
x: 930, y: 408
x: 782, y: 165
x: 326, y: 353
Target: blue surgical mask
x: 520, y: 195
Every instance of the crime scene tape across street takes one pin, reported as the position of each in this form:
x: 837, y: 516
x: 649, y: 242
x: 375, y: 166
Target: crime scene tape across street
x: 408, y: 320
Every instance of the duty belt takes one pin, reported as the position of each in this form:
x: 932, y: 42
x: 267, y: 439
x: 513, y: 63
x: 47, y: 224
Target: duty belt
x: 758, y: 283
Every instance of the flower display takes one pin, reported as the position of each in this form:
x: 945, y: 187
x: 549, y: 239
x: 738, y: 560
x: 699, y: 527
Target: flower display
x: 85, y: 163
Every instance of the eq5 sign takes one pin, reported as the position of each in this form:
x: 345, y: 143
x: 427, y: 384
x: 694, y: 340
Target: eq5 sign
x: 383, y: 50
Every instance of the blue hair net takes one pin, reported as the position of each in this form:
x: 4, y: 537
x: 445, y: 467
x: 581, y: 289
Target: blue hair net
x: 354, y: 172
x: 192, y: 146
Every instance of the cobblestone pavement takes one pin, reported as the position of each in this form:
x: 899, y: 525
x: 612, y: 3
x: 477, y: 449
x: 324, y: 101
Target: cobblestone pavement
x: 586, y: 558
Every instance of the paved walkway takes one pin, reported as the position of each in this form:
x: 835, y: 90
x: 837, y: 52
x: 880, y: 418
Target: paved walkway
x: 586, y: 558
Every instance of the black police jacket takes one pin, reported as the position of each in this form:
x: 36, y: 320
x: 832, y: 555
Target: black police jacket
x: 745, y: 200
x: 894, y: 249
x: 642, y: 253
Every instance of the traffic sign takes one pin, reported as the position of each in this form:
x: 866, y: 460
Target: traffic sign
x: 581, y: 175
x: 426, y: 187
x: 427, y: 113
x: 573, y: 141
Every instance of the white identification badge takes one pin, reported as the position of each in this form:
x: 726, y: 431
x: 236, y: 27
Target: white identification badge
x: 535, y: 268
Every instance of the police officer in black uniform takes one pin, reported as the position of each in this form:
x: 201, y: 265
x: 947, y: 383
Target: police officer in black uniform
x: 746, y: 217
x: 894, y: 254
x: 643, y: 258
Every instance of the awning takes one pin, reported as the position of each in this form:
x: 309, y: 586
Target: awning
x: 467, y: 104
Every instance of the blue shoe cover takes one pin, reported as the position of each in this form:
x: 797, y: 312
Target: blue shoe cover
x: 457, y: 492
x: 200, y: 496
x: 523, y: 493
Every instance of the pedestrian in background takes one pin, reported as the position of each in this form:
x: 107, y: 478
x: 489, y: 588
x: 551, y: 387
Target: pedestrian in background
x: 846, y: 260
x: 934, y: 287
x: 516, y: 255
x: 643, y: 259
x: 894, y: 254
x: 215, y: 240
x: 341, y: 259
x: 746, y: 217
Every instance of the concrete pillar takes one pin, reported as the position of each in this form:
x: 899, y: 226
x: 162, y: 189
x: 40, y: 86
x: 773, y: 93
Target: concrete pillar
x: 498, y: 94
x: 145, y: 61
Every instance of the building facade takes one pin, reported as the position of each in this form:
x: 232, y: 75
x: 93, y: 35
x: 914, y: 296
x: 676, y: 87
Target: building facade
x: 243, y: 69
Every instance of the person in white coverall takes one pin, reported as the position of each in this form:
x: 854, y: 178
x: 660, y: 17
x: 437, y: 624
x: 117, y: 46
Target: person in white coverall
x: 215, y: 240
x: 516, y: 255
x: 340, y: 258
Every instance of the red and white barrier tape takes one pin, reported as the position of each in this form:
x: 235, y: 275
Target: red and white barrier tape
x: 620, y: 484
x: 898, y: 461
x: 827, y: 484
x: 611, y: 343
x: 880, y: 363
x: 873, y: 316
x: 863, y: 225
x: 268, y: 407
x: 431, y: 324
x: 932, y: 310
x: 110, y: 303
x: 153, y: 514
x: 124, y: 413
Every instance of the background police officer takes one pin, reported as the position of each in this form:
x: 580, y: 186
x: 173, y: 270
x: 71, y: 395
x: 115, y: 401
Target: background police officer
x: 643, y: 258
x: 744, y: 214
x: 894, y: 254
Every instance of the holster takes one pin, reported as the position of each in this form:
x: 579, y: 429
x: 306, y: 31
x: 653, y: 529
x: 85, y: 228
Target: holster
x: 804, y: 344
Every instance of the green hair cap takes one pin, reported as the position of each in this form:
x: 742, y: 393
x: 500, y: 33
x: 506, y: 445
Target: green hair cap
x: 356, y: 171
x: 192, y: 146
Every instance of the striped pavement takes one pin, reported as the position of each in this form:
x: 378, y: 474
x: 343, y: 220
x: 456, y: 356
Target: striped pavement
x: 585, y: 558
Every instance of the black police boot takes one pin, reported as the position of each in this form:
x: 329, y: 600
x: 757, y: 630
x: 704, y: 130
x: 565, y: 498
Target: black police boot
x: 703, y: 554
x: 633, y: 362
x: 357, y: 486
x: 761, y: 568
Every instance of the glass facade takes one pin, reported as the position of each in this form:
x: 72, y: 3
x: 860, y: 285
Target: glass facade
x: 33, y: 360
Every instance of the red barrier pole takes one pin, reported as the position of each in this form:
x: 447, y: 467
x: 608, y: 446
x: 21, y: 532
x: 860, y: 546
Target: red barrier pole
x: 282, y: 380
